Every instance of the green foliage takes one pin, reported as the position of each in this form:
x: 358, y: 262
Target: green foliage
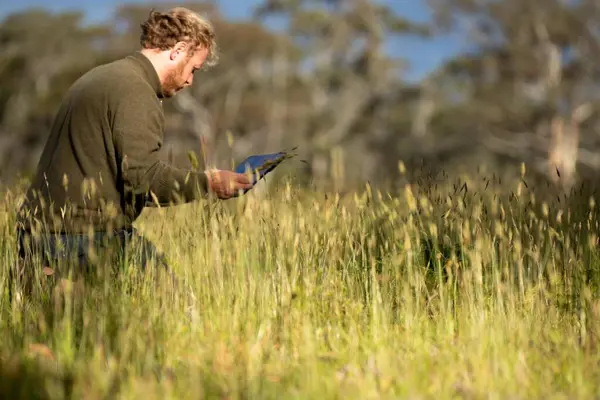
x: 325, y: 80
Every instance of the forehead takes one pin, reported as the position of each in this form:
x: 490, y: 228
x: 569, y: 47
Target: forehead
x: 199, y: 56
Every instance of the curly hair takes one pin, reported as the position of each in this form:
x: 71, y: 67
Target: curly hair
x: 162, y: 30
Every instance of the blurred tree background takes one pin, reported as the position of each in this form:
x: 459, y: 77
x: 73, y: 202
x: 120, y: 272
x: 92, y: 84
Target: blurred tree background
x: 523, y: 88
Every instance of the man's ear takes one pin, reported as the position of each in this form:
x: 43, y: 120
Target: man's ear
x: 177, y: 50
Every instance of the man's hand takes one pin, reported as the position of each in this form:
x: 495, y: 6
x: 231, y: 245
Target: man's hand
x: 227, y: 184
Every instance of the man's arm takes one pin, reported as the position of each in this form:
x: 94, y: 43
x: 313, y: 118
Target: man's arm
x: 138, y: 124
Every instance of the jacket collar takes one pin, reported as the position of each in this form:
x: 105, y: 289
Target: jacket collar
x: 149, y: 72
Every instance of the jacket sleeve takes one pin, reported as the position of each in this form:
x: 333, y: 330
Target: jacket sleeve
x: 138, y: 124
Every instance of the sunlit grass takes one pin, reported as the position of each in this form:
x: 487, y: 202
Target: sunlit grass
x: 476, y: 290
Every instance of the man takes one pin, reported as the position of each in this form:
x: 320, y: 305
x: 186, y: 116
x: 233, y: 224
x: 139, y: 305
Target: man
x: 100, y: 166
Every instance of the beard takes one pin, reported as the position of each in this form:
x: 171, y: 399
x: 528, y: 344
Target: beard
x: 173, y: 80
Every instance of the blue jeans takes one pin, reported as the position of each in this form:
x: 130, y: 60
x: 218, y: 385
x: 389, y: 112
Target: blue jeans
x: 84, y: 255
x: 89, y: 256
x: 84, y: 250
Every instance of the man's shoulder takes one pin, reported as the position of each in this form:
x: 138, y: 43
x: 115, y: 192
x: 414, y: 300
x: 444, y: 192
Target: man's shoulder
x: 114, y: 85
x: 118, y: 75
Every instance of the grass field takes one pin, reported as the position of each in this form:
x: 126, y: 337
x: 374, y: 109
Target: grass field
x: 458, y: 291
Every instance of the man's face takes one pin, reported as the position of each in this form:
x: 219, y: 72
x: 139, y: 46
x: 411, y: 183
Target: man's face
x: 180, y: 73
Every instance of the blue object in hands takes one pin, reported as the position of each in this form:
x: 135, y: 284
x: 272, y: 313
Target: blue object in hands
x: 261, y: 164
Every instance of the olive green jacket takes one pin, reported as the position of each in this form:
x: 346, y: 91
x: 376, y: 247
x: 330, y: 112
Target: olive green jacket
x: 100, y: 166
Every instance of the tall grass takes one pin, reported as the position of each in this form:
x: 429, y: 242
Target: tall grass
x: 468, y: 289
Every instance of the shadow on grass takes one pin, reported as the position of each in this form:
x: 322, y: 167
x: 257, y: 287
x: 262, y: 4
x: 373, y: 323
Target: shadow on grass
x: 31, y: 378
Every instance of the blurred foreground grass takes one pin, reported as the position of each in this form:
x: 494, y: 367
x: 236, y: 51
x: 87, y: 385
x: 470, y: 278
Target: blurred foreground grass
x: 471, y: 290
